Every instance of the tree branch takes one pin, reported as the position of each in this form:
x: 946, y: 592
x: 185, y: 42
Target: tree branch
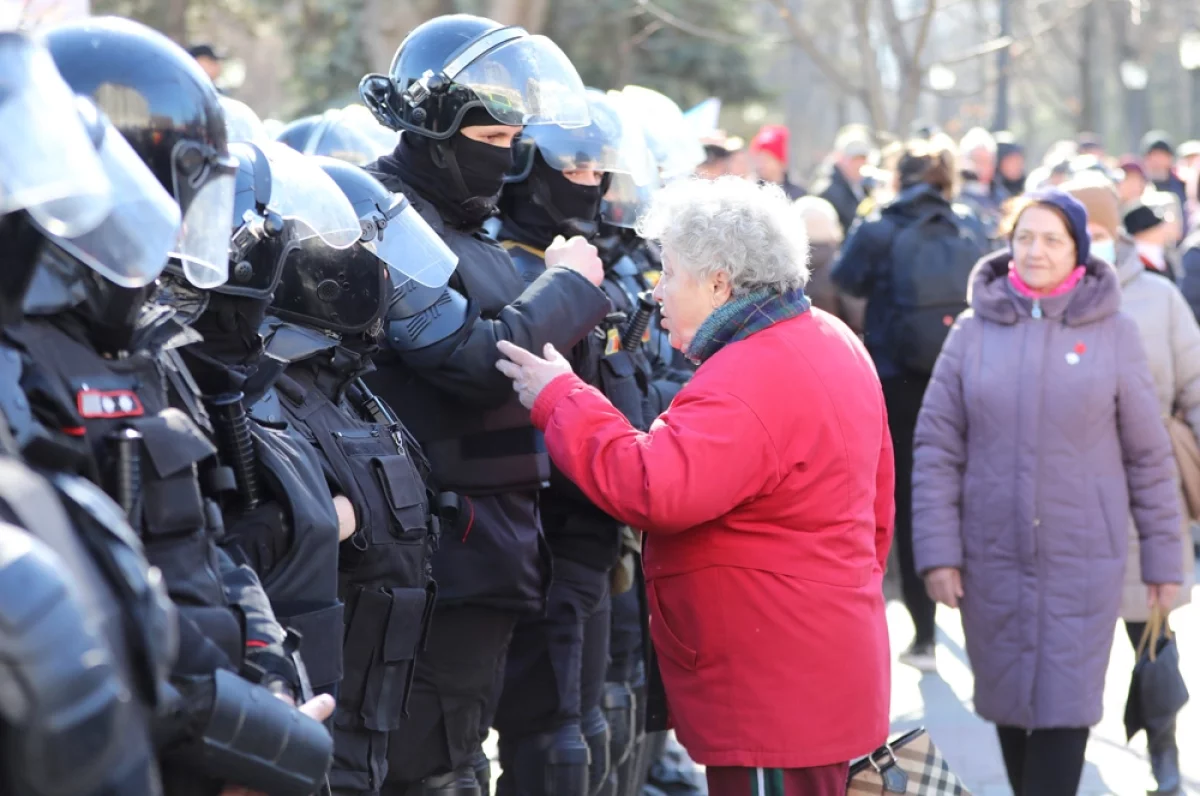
x: 691, y: 28
x: 832, y: 71
x: 1016, y: 42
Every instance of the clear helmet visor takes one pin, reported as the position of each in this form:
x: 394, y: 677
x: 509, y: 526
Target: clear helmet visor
x: 412, y: 250
x: 612, y: 143
x: 242, y: 123
x: 131, y: 244
x: 527, y: 81
x: 303, y: 193
x: 669, y: 136
x: 626, y: 201
x: 334, y: 136
x: 48, y: 164
x: 203, y: 245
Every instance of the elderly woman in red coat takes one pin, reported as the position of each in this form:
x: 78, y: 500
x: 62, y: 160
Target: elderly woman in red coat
x: 765, y: 495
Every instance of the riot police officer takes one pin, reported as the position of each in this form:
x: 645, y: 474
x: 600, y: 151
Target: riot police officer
x: 86, y: 630
x: 327, y: 310
x: 550, y: 716
x: 113, y: 383
x: 280, y: 518
x: 460, y: 88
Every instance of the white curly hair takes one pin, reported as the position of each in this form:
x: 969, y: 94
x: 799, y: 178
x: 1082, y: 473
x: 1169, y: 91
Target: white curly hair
x: 730, y: 225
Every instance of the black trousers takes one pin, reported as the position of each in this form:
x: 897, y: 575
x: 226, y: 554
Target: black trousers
x: 1043, y: 762
x: 557, y: 662
x: 903, y: 396
x: 455, y: 677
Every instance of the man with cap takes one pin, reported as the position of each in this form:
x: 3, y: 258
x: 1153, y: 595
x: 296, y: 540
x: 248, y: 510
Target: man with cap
x: 1158, y: 157
x: 210, y: 62
x: 842, y: 184
x: 1148, y: 227
x: 770, y: 150
x: 1010, y: 165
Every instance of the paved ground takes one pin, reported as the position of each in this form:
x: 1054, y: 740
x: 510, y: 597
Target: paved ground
x: 942, y: 703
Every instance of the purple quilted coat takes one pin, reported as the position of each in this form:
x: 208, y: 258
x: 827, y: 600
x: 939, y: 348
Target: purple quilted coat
x: 1036, y: 439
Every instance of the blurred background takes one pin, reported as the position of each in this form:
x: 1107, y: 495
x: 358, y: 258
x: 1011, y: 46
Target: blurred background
x: 1044, y: 69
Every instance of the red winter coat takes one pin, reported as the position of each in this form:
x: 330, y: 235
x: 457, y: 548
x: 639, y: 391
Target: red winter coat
x: 765, y: 492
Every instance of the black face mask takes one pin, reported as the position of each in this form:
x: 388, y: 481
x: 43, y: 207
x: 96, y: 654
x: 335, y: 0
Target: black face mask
x: 460, y: 177
x: 230, y: 327
x: 20, y: 244
x: 548, y: 204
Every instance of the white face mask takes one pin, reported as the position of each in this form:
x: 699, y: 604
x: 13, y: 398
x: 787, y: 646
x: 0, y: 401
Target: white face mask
x: 1106, y: 250
x: 1153, y: 252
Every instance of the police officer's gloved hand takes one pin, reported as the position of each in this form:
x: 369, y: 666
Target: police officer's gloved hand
x: 262, y: 534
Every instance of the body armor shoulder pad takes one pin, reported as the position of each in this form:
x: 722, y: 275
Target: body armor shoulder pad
x: 441, y: 319
x: 65, y: 692
x: 288, y: 342
x: 413, y: 298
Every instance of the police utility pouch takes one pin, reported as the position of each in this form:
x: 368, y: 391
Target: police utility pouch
x: 260, y: 742
x: 404, y: 491
x: 910, y: 764
x: 384, y: 635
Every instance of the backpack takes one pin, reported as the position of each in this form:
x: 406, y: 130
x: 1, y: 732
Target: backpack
x: 931, y: 262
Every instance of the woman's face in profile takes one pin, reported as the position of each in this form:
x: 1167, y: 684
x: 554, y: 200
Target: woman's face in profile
x: 1043, y: 249
x: 685, y: 301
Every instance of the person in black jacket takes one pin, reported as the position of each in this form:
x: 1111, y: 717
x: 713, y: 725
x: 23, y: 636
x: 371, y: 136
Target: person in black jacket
x: 841, y: 185
x: 83, y: 643
x: 103, y: 373
x: 461, y: 88
x: 866, y: 268
x: 550, y: 714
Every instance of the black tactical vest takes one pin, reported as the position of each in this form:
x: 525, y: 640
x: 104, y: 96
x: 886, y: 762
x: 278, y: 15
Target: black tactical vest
x: 148, y: 456
x: 384, y: 569
x: 303, y: 584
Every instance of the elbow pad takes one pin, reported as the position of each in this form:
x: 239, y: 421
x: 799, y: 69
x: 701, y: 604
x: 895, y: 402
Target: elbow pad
x: 422, y: 316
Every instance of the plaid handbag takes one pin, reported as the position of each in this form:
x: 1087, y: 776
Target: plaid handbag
x: 910, y: 764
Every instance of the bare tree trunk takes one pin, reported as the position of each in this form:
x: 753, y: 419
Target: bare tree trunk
x: 529, y: 14
x: 174, y: 20
x: 1089, y: 107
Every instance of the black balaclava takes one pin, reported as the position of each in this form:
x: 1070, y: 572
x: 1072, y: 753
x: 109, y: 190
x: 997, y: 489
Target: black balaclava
x: 547, y: 204
x: 232, y: 345
x: 20, y: 244
x: 461, y: 177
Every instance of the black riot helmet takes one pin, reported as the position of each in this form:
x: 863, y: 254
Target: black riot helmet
x: 343, y: 292
x: 50, y: 176
x: 393, y: 228
x: 350, y: 135
x: 453, y: 64
x: 611, y: 144
x: 168, y: 110
x: 282, y: 199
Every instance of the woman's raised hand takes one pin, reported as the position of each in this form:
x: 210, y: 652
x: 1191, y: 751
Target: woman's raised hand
x: 529, y: 372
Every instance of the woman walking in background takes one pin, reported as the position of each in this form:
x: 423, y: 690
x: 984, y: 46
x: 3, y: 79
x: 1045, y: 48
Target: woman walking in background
x: 867, y: 267
x: 1171, y: 339
x: 1039, y: 434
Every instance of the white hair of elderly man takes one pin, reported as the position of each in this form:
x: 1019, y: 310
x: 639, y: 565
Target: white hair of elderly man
x: 746, y: 230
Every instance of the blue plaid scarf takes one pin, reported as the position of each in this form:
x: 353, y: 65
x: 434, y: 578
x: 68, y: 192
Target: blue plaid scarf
x: 739, y: 318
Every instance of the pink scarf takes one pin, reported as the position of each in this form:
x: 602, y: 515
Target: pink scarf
x: 1064, y: 287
